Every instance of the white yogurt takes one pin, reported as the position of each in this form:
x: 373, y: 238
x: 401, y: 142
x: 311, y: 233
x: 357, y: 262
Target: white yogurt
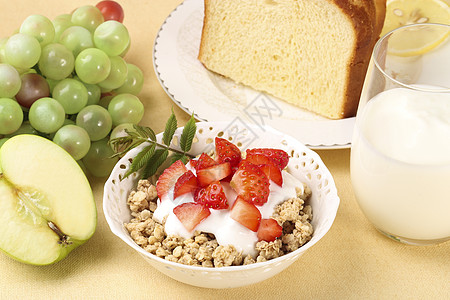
x: 226, y: 230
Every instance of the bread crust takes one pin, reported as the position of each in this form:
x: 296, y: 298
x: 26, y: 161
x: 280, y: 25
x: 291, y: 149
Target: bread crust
x: 367, y: 17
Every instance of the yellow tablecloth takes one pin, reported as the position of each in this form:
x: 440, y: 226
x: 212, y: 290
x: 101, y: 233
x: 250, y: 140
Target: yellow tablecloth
x: 352, y: 261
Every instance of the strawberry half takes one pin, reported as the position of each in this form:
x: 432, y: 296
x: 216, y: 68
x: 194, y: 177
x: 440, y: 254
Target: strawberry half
x: 169, y: 177
x: 280, y: 157
x: 259, y: 159
x: 251, y: 183
x: 246, y: 214
x: 212, y: 196
x: 269, y: 230
x: 186, y: 183
x: 214, y: 173
x: 227, y: 152
x: 204, y: 161
x: 273, y: 173
x: 191, y: 214
x: 193, y: 163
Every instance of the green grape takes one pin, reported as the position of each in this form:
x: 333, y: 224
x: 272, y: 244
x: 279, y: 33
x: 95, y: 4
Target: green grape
x: 112, y: 37
x: 74, y: 139
x: 95, y: 120
x: 61, y: 23
x: 2, y: 141
x: 76, y: 39
x: 46, y: 115
x: 98, y: 160
x: 83, y: 167
x: 92, y: 65
x: 126, y: 50
x: 126, y: 108
x: 39, y: 27
x: 22, y: 51
x: 134, y: 81
x: 66, y: 122
x: 2, y: 49
x: 87, y: 16
x: 11, y: 116
x: 25, y: 128
x: 105, y: 100
x: 72, y: 94
x: 10, y: 81
x: 117, y: 75
x: 56, y: 62
x: 120, y: 131
x: 105, y: 91
x: 51, y: 84
x: 94, y: 92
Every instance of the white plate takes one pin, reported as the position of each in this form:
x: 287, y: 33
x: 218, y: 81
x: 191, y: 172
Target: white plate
x: 212, y: 97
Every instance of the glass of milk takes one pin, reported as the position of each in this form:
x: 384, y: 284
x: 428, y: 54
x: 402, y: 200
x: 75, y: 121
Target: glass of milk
x: 400, y: 155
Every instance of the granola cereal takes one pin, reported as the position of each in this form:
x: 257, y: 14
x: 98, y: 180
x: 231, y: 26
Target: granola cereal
x: 203, y: 249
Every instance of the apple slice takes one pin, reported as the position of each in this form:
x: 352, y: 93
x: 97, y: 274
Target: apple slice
x: 46, y: 204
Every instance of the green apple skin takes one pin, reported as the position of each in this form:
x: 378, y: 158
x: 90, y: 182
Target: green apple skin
x: 47, y: 208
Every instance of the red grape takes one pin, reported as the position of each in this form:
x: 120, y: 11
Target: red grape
x: 34, y: 87
x: 111, y: 10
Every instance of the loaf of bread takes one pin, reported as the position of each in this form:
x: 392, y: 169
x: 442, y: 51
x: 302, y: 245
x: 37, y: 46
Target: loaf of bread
x: 311, y: 53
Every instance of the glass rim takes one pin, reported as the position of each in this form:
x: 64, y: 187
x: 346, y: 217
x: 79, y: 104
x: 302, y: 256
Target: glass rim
x: 384, y: 37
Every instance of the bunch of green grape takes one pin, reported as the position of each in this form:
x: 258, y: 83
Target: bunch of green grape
x: 67, y: 80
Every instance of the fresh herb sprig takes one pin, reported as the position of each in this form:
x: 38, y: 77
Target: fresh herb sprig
x: 152, y: 156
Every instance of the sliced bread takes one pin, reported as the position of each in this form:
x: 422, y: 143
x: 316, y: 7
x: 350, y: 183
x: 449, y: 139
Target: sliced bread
x: 311, y: 53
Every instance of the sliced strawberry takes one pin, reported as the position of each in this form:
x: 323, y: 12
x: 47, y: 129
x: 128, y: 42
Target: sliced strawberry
x: 191, y: 214
x: 227, y: 152
x: 169, y: 177
x: 186, y: 183
x: 212, y: 196
x: 269, y: 230
x: 193, y: 163
x: 228, y: 178
x: 259, y: 159
x: 213, y: 173
x: 280, y: 157
x: 246, y: 214
x: 251, y: 183
x: 273, y: 173
x: 205, y: 161
x: 267, y: 165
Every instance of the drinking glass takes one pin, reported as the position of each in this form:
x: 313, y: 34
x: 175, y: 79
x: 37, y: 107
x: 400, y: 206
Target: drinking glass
x: 400, y: 154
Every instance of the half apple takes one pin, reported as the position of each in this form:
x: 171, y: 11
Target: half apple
x: 46, y: 204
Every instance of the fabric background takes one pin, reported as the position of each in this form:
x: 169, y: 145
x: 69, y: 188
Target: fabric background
x: 353, y: 261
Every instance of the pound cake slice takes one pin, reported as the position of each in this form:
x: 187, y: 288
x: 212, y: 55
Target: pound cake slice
x: 311, y: 53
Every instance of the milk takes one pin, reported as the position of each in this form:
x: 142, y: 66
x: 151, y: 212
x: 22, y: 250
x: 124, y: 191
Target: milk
x: 400, y: 164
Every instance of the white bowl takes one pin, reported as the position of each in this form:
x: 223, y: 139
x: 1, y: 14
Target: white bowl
x: 304, y: 164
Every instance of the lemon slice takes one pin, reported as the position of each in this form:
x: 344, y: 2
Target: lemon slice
x: 414, y: 41
x: 405, y: 12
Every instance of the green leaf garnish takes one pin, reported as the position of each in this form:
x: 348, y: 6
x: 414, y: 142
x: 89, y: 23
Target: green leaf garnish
x: 171, y: 126
x: 141, y: 159
x: 178, y: 156
x: 188, y: 135
x: 153, y: 156
x: 158, y: 158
